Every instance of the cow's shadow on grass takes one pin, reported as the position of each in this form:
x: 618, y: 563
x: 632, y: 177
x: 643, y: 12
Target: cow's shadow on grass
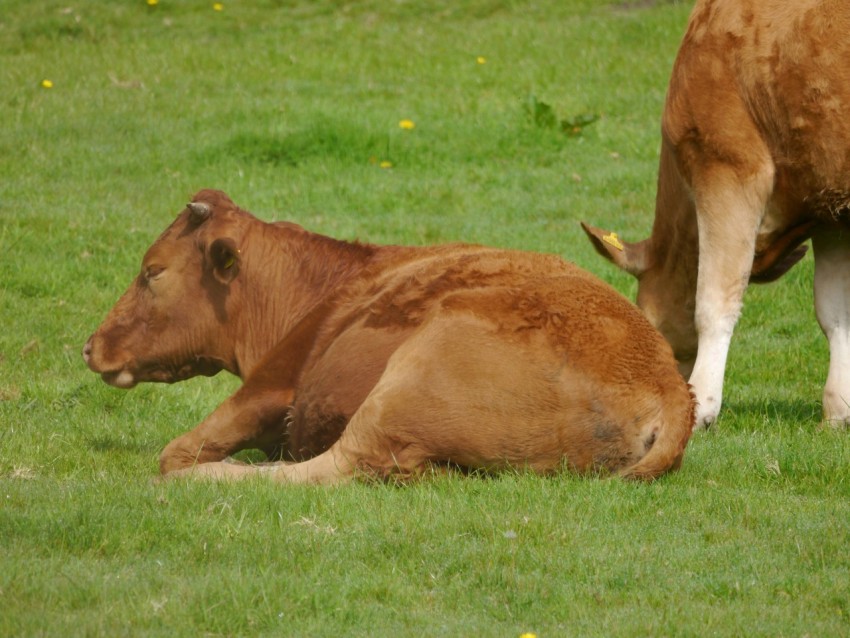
x: 796, y: 411
x: 740, y: 413
x: 118, y: 444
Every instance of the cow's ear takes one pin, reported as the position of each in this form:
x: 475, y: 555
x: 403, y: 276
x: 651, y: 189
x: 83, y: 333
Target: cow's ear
x: 632, y: 258
x: 225, y: 259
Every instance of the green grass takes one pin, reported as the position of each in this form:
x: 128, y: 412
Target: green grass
x: 290, y: 106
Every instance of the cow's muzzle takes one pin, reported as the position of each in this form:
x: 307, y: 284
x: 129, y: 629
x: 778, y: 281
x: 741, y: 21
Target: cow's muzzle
x: 87, y: 351
x: 122, y: 378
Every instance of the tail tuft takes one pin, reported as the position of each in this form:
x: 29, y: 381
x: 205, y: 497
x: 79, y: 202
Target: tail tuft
x: 677, y: 424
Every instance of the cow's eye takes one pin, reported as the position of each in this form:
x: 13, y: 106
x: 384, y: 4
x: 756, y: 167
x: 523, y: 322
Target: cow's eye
x: 153, y: 272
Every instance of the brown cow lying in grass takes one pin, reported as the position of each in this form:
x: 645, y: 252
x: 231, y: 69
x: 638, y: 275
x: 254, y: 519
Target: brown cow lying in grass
x: 385, y: 359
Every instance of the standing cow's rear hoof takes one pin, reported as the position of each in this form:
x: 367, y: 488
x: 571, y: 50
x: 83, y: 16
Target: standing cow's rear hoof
x: 705, y: 418
x: 836, y: 423
x: 705, y: 423
x: 836, y: 410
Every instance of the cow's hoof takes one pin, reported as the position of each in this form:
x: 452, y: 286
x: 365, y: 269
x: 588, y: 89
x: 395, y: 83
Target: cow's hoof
x: 836, y: 423
x: 836, y: 410
x: 704, y: 419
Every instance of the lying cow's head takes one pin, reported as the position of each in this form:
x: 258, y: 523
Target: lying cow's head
x: 666, y: 289
x: 168, y: 326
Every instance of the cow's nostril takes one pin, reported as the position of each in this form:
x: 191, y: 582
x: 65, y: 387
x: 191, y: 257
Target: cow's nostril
x: 87, y: 351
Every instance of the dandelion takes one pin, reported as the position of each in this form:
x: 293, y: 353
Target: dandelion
x: 528, y: 635
x: 386, y: 164
x: 481, y: 59
x: 153, y: 3
x: 218, y: 6
x: 47, y: 84
x: 407, y: 124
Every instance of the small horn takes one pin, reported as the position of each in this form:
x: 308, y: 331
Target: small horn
x: 199, y: 211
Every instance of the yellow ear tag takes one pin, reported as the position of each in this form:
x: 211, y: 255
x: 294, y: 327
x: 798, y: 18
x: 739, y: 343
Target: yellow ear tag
x: 613, y: 240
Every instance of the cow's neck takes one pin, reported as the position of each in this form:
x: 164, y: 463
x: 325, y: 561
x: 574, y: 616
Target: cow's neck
x: 299, y: 271
x: 674, y: 246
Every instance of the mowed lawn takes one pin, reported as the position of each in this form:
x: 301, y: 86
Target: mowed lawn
x: 112, y: 114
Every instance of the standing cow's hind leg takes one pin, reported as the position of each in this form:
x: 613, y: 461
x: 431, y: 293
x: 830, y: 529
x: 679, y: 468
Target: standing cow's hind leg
x: 832, y: 305
x: 729, y: 213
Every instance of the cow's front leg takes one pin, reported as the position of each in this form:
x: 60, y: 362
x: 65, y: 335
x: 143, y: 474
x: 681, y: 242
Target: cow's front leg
x: 254, y: 416
x: 728, y: 217
x: 247, y: 419
x: 832, y: 305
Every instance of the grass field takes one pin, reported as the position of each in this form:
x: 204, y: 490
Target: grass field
x: 293, y: 108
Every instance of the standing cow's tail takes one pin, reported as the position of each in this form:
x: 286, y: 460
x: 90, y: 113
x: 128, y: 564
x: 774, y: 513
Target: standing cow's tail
x: 677, y: 422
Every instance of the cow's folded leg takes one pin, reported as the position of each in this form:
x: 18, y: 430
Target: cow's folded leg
x: 222, y: 471
x: 364, y: 445
x: 832, y: 305
x: 245, y: 420
x: 330, y: 467
x: 728, y: 222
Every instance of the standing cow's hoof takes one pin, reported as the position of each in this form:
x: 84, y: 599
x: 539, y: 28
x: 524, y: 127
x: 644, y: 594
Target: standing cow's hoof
x: 836, y: 423
x: 706, y: 417
x: 836, y: 410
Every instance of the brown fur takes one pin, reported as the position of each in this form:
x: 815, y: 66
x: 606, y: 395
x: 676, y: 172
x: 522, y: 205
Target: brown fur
x: 386, y: 358
x: 755, y: 160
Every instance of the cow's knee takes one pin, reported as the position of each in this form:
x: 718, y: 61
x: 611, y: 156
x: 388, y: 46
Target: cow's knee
x: 185, y: 452
x: 174, y: 457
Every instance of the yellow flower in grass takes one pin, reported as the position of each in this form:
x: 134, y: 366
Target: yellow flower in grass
x: 528, y: 635
x: 407, y: 125
x: 218, y: 6
x: 482, y: 60
x: 386, y: 164
x: 47, y: 84
x: 153, y: 3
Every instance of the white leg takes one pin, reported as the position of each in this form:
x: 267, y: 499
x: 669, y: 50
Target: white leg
x: 707, y: 376
x: 728, y: 218
x: 832, y: 305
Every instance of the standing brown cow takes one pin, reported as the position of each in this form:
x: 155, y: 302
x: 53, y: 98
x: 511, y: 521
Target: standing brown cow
x: 386, y: 358
x: 755, y: 159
